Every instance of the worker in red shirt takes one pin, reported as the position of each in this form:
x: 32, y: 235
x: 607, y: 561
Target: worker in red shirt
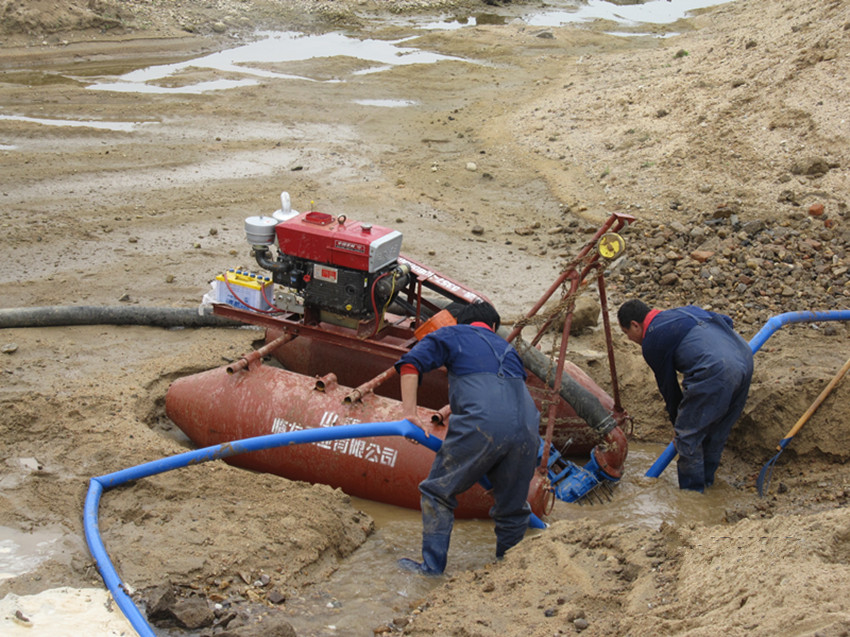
x: 716, y: 366
x: 493, y: 430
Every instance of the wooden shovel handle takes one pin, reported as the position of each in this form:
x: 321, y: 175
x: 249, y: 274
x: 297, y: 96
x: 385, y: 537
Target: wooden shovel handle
x: 817, y: 403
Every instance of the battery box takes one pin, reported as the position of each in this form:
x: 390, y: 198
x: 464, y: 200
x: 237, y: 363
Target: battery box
x: 244, y: 290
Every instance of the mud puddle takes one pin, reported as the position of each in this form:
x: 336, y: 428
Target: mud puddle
x: 369, y: 589
x: 307, y: 58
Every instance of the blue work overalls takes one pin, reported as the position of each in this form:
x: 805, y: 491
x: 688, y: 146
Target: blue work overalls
x: 493, y: 432
x: 717, y: 367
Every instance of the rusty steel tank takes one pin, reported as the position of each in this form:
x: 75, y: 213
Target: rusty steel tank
x: 216, y: 406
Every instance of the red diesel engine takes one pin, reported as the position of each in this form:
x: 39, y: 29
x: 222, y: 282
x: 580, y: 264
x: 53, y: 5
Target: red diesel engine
x: 344, y: 268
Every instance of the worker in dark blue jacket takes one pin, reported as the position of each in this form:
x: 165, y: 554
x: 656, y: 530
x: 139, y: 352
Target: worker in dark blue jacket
x: 493, y: 430
x: 716, y: 366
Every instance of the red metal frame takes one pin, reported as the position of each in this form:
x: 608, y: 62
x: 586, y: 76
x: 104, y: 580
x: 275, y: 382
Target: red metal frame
x: 576, y: 272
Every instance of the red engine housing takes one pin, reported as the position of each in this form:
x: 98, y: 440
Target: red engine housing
x: 325, y: 239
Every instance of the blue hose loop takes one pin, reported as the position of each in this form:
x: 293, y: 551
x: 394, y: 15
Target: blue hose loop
x: 772, y: 325
x: 97, y: 485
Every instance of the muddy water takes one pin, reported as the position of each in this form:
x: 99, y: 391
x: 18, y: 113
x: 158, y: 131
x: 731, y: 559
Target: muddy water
x: 369, y: 588
x: 649, y: 502
x: 23, y: 552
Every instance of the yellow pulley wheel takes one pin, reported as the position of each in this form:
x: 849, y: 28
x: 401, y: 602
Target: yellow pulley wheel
x: 611, y: 245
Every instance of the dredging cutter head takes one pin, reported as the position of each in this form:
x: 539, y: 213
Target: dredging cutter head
x: 595, y: 481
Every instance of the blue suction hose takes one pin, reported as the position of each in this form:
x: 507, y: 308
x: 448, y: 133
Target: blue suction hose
x: 772, y: 325
x: 98, y: 484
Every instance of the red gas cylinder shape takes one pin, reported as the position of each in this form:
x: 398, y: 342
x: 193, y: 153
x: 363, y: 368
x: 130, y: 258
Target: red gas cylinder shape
x: 215, y: 407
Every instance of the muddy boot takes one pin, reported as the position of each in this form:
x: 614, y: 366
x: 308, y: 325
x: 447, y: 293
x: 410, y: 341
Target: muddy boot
x: 435, y: 549
x: 691, y: 473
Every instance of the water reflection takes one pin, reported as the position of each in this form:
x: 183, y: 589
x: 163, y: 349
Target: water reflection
x: 555, y: 13
x: 653, y: 12
x: 114, y: 126
x: 257, y: 59
x: 385, y: 103
x: 23, y: 552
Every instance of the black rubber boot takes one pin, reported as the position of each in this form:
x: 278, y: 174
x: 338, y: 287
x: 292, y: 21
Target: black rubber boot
x: 435, y: 550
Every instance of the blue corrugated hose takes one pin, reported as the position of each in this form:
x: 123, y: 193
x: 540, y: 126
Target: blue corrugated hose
x: 98, y: 484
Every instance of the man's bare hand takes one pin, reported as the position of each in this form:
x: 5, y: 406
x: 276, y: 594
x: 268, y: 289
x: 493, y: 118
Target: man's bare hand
x: 428, y: 427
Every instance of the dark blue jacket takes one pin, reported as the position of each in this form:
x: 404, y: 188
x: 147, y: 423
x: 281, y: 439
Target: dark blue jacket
x: 660, y: 341
x: 462, y: 352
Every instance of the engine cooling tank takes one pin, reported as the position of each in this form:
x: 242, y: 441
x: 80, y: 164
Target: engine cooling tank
x: 214, y: 407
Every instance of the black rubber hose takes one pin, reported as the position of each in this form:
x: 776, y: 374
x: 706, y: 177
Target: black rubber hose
x: 585, y: 404
x: 57, y: 315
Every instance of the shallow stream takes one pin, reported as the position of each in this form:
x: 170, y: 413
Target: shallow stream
x: 369, y: 589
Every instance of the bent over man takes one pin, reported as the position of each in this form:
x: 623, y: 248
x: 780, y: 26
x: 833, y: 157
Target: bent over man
x: 717, y: 368
x: 493, y: 430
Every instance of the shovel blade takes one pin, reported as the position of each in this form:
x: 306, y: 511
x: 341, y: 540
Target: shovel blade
x: 764, y: 475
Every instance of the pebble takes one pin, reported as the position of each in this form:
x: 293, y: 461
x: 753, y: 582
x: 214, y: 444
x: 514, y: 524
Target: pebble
x: 21, y: 619
x: 748, y: 269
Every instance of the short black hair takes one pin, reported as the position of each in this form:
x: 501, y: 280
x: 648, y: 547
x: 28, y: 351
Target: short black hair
x: 481, y: 312
x: 632, y: 310
x: 455, y: 307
